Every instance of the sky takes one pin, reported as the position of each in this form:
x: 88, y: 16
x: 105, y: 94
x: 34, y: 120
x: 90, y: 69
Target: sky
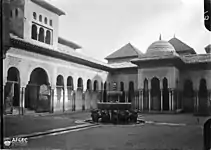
x: 101, y: 27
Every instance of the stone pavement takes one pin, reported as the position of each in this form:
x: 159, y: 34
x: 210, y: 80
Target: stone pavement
x: 183, y: 118
x: 27, y: 124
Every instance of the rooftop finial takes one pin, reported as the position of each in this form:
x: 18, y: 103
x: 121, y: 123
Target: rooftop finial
x: 174, y: 35
x: 160, y: 37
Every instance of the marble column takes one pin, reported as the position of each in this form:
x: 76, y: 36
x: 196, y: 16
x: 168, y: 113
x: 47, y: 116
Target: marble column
x: 197, y: 101
x: 142, y: 100
x: 169, y: 99
x: 22, y: 99
x: 172, y: 99
x: 161, y: 99
x: 52, y: 101
x: 149, y: 100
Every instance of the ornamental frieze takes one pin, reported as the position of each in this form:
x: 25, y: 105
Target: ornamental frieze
x: 14, y: 61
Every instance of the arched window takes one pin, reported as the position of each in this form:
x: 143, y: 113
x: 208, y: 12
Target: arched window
x: 41, y: 35
x: 48, y: 37
x: 34, y: 32
x: 16, y: 12
x: 11, y: 13
x: 34, y: 15
x: 122, y: 86
x: 46, y: 20
x: 95, y: 85
x: 40, y: 18
x: 80, y: 84
x: 51, y: 23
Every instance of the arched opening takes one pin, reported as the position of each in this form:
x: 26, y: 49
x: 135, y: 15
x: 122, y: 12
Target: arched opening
x: 70, y: 83
x: 89, y: 85
x: 122, y: 98
x: 41, y: 35
x: 105, y: 92
x: 145, y: 95
x: 59, y: 87
x: 69, y: 87
x: 131, y: 92
x: 34, y: 15
x: 16, y: 12
x: 46, y: 20
x: 203, y: 97
x: 48, y: 37
x: 34, y: 32
x: 38, y: 91
x: 12, y: 89
x: 165, y: 94
x: 80, y: 84
x: 155, y: 94
x: 188, y: 96
x: 51, y: 23
x: 40, y: 18
x: 95, y: 85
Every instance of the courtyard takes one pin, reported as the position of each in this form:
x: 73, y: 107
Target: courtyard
x: 172, y: 132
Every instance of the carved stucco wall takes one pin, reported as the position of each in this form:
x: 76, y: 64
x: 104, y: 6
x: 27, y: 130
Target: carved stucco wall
x: 125, y: 77
x: 171, y: 73
x: 195, y: 76
x: 26, y: 62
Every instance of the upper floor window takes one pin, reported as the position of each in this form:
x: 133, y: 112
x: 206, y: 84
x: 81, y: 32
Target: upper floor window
x: 46, y: 20
x: 34, y: 15
x: 40, y: 18
x: 16, y: 12
x: 51, y: 23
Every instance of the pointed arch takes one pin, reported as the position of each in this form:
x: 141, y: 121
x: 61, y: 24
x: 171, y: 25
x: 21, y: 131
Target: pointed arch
x: 41, y: 35
x: 34, y: 32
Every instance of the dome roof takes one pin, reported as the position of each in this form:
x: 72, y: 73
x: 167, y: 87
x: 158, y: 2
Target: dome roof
x: 160, y: 47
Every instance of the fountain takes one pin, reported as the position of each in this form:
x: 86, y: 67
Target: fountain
x: 114, y: 111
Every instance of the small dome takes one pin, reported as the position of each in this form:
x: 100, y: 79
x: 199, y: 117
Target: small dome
x: 160, y: 46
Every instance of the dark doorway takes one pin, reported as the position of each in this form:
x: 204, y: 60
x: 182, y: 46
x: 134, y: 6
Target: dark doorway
x: 12, y: 90
x: 105, y: 92
x: 155, y: 94
x: 165, y: 94
x: 122, y: 98
x: 38, y: 91
x: 203, y: 98
x: 96, y: 85
x: 146, y: 95
x: 188, y: 96
x: 131, y: 92
x: 89, y: 85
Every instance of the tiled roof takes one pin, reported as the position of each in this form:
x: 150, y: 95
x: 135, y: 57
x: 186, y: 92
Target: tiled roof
x: 48, y: 6
x: 68, y: 43
x: 123, y: 65
x: 126, y: 51
x: 180, y: 46
x: 197, y: 58
x: 155, y: 57
x: 208, y: 48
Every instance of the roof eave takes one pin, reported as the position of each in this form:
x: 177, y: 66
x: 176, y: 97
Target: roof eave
x: 49, y: 7
x: 53, y: 53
